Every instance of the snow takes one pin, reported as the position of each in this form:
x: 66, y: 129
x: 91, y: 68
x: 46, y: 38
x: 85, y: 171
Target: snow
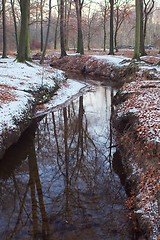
x: 19, y: 81
x: 145, y: 104
x: 63, y: 96
x: 13, y: 110
x: 115, y: 60
x: 148, y: 67
x: 27, y: 77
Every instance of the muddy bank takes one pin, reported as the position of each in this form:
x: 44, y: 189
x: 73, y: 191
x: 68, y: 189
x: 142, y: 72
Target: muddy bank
x: 100, y: 68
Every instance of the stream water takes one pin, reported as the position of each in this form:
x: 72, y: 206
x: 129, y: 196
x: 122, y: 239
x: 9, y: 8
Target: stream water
x: 58, y: 182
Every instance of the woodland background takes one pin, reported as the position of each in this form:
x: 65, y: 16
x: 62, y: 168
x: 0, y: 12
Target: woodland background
x: 45, y: 18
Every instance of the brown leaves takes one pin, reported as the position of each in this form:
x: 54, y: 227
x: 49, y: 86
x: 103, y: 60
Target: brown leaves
x: 6, y: 94
x: 40, y: 107
x: 146, y: 106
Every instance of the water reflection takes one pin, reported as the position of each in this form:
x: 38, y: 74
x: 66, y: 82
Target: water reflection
x: 59, y: 183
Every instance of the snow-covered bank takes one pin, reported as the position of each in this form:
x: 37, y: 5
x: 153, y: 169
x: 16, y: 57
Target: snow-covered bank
x: 20, y: 86
x: 68, y: 91
x: 119, y: 61
x: 113, y: 69
x: 137, y: 122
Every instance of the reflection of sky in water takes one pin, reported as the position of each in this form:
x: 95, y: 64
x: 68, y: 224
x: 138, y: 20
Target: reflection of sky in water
x: 96, y: 116
x: 97, y: 107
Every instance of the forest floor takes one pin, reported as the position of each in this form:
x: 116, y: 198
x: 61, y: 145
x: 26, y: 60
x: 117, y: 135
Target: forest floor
x: 20, y: 82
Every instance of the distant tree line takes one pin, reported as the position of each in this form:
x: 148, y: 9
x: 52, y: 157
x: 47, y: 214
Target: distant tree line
x: 74, y: 24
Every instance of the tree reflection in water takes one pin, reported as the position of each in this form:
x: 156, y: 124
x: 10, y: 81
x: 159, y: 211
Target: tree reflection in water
x: 62, y: 186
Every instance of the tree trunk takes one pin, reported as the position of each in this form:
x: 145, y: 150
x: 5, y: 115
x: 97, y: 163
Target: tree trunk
x: 42, y: 40
x: 67, y: 17
x: 104, y: 28
x: 89, y: 38
x: 105, y: 36
x: 56, y: 28
x: 137, y: 32
x: 142, y: 48
x: 145, y: 26
x: 117, y: 21
x: 115, y: 40
x: 62, y: 40
x: 47, y: 35
x: 56, y: 32
x: 23, y: 48
x: 15, y: 23
x: 4, y: 55
x: 27, y: 50
x: 148, y: 7
x: 111, y: 45
x: 80, y: 47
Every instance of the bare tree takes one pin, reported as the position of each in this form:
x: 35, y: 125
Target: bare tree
x: 91, y: 19
x: 122, y: 10
x: 67, y: 14
x: 142, y: 47
x: 137, y: 30
x: 42, y: 39
x: 47, y: 36
x: 79, y: 6
x: 15, y: 22
x: 23, y: 48
x: 4, y: 55
x: 56, y: 27
x: 148, y: 7
x: 105, y: 13
x: 111, y: 45
x: 62, y: 39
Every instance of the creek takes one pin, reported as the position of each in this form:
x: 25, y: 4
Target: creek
x: 58, y: 181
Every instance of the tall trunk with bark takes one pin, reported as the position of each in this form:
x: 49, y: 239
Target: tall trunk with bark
x: 142, y: 47
x: 148, y: 7
x: 137, y: 31
x: 89, y: 28
x: 56, y: 32
x: 42, y: 40
x: 4, y: 54
x: 47, y: 35
x: 104, y: 27
x: 105, y: 35
x: 56, y: 28
x: 111, y: 45
x: 80, y: 46
x: 15, y: 23
x: 116, y: 28
x: 62, y: 40
x: 67, y: 17
x: 23, y: 48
